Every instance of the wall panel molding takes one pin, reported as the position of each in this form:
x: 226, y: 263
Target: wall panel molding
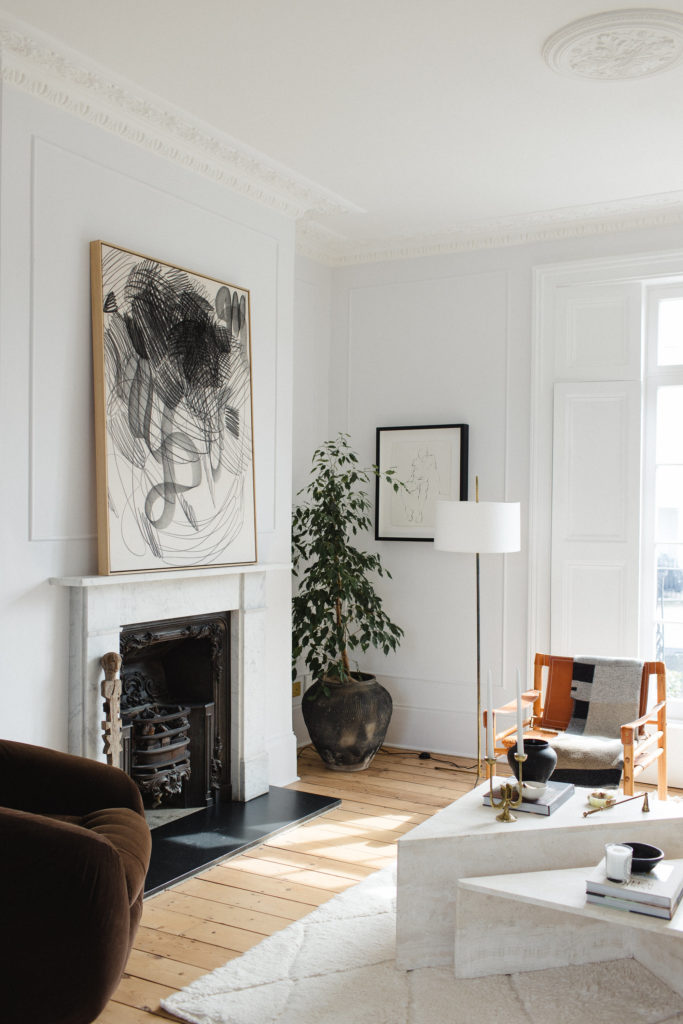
x: 58, y: 323
x: 606, y: 381
x: 596, y: 518
x: 594, y: 617
x: 589, y: 447
x: 598, y: 332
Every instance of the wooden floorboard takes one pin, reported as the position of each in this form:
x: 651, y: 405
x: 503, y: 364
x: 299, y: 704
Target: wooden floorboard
x: 202, y: 922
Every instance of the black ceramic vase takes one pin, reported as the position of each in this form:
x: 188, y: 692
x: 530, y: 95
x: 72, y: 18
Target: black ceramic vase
x: 540, y: 761
x: 347, y: 725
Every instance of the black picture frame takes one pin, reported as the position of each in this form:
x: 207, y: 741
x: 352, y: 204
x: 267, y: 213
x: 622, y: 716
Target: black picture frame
x: 432, y: 461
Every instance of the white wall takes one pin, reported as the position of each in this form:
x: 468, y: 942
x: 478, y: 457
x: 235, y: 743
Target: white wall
x: 64, y: 183
x: 312, y: 386
x: 428, y: 342
x: 440, y: 340
x: 312, y: 333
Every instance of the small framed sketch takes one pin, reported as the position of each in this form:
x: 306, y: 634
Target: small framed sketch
x: 432, y: 463
x: 173, y: 416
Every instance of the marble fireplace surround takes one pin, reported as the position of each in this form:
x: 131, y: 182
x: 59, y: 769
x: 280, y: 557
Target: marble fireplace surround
x: 100, y: 606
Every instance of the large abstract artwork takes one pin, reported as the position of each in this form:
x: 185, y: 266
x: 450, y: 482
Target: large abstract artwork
x: 432, y: 464
x: 173, y: 416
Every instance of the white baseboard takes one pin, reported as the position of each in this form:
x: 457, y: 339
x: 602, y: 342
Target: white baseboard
x: 441, y: 732
x: 299, y: 726
x: 282, y: 759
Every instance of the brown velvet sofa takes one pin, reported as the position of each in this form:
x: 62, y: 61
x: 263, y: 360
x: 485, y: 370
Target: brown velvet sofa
x: 74, y: 852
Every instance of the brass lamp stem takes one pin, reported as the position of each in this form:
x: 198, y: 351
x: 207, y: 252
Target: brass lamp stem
x: 478, y: 673
x: 479, y: 724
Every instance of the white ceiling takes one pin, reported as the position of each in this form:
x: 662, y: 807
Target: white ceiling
x: 434, y: 120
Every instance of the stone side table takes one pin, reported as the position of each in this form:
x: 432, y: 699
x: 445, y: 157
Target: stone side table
x: 464, y: 840
x: 540, y: 919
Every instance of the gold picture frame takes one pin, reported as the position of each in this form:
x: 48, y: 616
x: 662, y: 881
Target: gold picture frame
x: 173, y: 416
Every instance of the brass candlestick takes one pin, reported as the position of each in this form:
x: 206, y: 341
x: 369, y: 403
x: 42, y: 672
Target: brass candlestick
x: 506, y: 790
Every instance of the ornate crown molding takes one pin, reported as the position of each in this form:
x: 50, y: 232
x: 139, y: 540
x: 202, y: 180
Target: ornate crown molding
x: 633, y: 43
x: 39, y: 65
x: 543, y: 226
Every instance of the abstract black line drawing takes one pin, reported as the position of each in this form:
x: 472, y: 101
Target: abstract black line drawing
x: 173, y: 416
x: 427, y: 477
x: 432, y: 463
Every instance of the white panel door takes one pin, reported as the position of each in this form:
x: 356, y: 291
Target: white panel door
x: 595, y: 518
x: 597, y: 331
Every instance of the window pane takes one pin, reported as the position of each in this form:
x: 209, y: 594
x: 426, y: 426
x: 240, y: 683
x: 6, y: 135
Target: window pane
x: 670, y: 651
x: 670, y: 582
x: 670, y: 332
x: 669, y: 614
x: 669, y: 505
x: 670, y: 424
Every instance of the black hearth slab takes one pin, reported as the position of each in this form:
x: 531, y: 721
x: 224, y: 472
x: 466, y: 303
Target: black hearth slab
x: 183, y: 847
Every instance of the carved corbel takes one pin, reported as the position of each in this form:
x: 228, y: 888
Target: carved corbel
x: 111, y: 691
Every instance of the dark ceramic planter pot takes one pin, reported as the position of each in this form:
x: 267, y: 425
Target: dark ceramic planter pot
x: 348, y: 725
x: 540, y: 761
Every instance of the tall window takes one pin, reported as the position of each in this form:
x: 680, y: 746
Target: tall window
x: 663, y: 484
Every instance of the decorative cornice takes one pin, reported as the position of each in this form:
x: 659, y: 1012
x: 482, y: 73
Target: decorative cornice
x: 632, y: 43
x: 44, y: 68
x: 39, y: 65
x: 542, y: 226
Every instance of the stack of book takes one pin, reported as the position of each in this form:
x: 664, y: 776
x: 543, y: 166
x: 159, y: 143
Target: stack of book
x: 656, y: 893
x: 556, y: 793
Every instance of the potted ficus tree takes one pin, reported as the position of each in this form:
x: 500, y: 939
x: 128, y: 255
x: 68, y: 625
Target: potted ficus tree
x: 336, y: 610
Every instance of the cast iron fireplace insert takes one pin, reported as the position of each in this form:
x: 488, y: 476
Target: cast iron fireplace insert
x: 175, y: 709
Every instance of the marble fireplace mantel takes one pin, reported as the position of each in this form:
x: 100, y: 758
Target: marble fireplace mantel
x: 101, y: 605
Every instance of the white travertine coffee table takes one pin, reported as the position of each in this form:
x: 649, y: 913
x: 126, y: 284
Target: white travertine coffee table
x: 540, y: 919
x: 464, y: 840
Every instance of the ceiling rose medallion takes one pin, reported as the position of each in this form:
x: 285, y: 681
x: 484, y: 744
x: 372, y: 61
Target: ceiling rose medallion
x: 633, y: 43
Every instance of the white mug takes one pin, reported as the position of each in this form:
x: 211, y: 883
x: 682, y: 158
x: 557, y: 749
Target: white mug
x: 618, y: 862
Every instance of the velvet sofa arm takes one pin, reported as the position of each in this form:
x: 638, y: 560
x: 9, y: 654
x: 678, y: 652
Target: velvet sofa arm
x: 65, y: 921
x: 47, y: 781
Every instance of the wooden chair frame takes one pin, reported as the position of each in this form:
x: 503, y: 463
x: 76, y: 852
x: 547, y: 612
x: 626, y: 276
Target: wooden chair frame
x: 641, y: 748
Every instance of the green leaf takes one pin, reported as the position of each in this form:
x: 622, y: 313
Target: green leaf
x: 335, y: 606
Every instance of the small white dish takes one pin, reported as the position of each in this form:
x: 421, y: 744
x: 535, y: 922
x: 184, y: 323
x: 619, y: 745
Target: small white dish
x: 533, y: 790
x: 601, y: 798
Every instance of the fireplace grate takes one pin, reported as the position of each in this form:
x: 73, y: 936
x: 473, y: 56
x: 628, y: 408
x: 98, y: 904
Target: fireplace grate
x: 160, y: 748
x: 175, y: 689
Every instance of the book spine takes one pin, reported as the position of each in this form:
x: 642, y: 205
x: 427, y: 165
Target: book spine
x: 634, y: 908
x: 532, y: 808
x: 630, y: 895
x: 538, y: 806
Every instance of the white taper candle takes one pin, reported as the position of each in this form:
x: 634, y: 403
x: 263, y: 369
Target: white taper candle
x: 520, y: 716
x: 489, y: 717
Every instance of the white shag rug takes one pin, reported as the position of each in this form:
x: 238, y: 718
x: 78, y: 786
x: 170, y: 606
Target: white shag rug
x: 336, y: 966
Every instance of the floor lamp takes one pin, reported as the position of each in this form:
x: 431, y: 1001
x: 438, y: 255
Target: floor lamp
x: 477, y: 527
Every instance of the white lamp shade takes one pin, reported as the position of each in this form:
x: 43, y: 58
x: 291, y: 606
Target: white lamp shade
x: 477, y: 526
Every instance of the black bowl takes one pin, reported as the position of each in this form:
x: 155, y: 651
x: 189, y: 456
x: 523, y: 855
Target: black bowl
x: 644, y: 857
